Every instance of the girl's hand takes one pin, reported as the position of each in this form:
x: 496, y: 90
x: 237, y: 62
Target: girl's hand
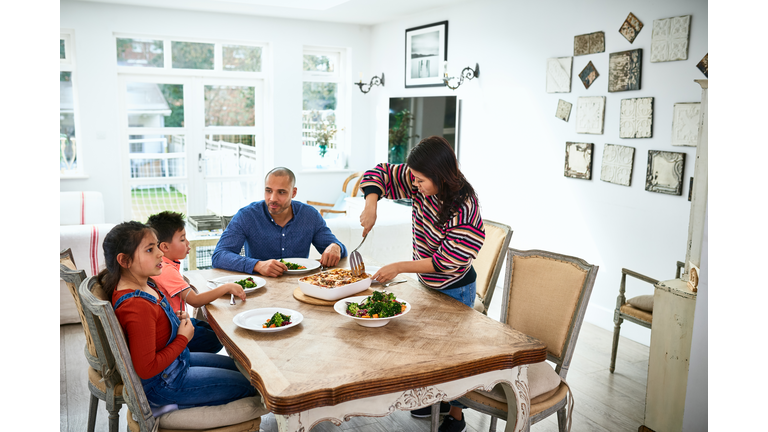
x: 182, y: 315
x: 386, y: 273
x: 236, y: 289
x: 186, y: 329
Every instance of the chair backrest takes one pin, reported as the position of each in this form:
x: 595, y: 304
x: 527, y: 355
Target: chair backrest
x: 355, y: 186
x: 225, y: 221
x: 73, y: 277
x: 109, y: 335
x: 490, y: 259
x: 546, y: 296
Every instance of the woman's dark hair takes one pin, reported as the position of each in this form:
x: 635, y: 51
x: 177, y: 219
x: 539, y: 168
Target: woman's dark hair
x: 124, y: 238
x: 434, y: 158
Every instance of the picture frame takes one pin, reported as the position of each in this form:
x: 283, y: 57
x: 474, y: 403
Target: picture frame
x: 426, y: 51
x: 665, y: 172
x: 578, y: 160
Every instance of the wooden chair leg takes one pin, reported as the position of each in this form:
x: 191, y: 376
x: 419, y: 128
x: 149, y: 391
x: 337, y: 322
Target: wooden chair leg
x: 92, y: 407
x: 615, y: 347
x: 114, y: 418
x: 562, y: 422
x: 493, y: 424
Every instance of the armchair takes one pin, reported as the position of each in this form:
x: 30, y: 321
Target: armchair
x: 638, y: 310
x: 339, y: 207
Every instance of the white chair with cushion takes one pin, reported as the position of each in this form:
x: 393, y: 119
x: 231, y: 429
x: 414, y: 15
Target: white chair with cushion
x: 239, y: 416
x: 638, y: 309
x: 489, y: 262
x: 545, y: 296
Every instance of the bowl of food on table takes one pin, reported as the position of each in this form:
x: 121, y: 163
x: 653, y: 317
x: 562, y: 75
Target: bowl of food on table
x: 375, y: 310
x: 334, y: 284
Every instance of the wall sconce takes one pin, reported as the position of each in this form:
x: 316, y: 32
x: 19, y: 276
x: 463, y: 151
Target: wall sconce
x: 374, y: 82
x: 467, y: 73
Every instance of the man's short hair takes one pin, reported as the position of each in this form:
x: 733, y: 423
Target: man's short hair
x: 282, y: 171
x: 166, y: 223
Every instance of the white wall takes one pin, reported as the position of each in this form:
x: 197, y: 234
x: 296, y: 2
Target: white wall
x: 94, y: 25
x: 512, y: 146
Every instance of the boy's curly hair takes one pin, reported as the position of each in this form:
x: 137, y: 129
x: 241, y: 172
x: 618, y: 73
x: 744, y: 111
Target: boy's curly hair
x: 166, y: 224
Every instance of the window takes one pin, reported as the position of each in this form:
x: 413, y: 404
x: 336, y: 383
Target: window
x: 323, y: 114
x: 70, y: 160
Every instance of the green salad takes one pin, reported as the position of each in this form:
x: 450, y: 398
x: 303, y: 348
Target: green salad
x: 292, y: 266
x: 277, y: 320
x: 246, y: 283
x: 380, y: 304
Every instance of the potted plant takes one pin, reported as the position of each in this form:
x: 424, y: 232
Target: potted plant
x: 398, y: 136
x: 325, y: 130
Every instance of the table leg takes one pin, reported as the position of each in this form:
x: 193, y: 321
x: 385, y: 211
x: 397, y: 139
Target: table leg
x: 518, y: 401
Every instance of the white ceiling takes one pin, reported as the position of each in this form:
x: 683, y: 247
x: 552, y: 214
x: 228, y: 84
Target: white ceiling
x: 366, y: 12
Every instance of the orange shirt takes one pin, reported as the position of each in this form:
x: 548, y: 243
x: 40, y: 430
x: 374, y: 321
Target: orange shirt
x: 171, y: 283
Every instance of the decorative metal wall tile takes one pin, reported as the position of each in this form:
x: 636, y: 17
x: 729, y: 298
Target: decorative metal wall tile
x: 624, y: 70
x: 665, y: 172
x: 669, y: 41
x: 578, y: 160
x: 636, y: 120
x: 590, y: 43
x: 563, y: 110
x: 590, y: 115
x: 588, y: 75
x: 617, y: 164
x: 704, y: 65
x: 559, y: 74
x: 631, y: 27
x: 685, y: 124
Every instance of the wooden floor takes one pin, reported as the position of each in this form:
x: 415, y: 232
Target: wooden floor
x: 603, y: 401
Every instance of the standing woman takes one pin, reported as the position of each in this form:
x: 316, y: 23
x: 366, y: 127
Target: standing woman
x: 447, y: 229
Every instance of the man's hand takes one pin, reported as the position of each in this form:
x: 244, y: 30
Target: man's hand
x: 331, y: 255
x: 271, y: 268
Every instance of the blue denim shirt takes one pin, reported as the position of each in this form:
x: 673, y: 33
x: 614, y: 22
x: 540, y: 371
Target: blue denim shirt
x: 254, y: 227
x: 179, y: 366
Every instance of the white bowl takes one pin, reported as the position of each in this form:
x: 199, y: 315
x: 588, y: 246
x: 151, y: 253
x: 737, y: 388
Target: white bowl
x: 334, y: 293
x: 341, y: 307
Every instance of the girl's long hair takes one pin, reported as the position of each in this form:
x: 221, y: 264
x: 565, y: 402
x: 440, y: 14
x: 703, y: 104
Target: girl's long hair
x: 434, y: 158
x: 124, y: 238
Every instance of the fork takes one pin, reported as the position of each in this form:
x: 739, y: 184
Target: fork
x: 356, y: 263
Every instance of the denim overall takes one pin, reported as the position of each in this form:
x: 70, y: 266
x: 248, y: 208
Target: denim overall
x: 178, y: 368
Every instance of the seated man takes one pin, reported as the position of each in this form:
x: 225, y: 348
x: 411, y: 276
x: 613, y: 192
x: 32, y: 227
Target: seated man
x: 275, y: 228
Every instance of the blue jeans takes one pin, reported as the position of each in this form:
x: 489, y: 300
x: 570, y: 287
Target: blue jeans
x: 205, y: 339
x: 210, y: 379
x: 465, y: 294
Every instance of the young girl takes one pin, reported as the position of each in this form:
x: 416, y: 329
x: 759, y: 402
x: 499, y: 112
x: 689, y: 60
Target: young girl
x: 157, y: 338
x: 447, y: 230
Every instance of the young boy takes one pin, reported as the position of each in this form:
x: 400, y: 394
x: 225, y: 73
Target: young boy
x: 172, y: 240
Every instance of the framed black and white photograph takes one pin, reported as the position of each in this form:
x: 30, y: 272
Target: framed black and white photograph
x: 426, y: 50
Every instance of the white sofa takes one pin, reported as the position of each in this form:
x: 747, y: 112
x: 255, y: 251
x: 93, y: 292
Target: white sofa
x: 82, y: 229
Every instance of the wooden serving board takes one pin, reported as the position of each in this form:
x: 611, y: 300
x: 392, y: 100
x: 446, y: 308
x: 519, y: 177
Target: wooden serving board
x: 300, y: 296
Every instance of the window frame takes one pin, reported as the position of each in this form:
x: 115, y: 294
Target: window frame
x: 68, y: 64
x: 341, y: 78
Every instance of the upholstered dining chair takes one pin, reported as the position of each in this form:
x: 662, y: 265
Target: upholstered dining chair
x: 545, y: 296
x: 239, y: 416
x: 638, y: 309
x: 339, y: 207
x: 489, y: 262
x: 102, y: 383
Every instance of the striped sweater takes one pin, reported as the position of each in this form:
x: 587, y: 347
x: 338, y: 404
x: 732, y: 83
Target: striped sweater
x: 452, y: 247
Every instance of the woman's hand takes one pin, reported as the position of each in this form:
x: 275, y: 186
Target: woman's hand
x: 386, y: 273
x: 368, y: 216
x: 236, y: 289
x: 186, y: 329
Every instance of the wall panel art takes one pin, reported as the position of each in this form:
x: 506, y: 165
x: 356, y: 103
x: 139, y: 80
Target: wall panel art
x: 631, y: 27
x: 669, y: 40
x: 591, y: 43
x: 563, y: 110
x: 617, y: 164
x: 588, y: 75
x: 590, y: 115
x: 665, y: 172
x: 578, y: 160
x: 559, y: 74
x: 636, y: 120
x: 685, y: 124
x: 624, y: 70
x: 703, y: 65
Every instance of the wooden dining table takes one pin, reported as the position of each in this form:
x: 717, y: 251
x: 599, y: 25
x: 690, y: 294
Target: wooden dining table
x: 330, y: 368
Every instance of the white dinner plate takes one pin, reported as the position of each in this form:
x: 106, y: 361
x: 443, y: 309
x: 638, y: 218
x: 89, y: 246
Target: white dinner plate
x: 341, y: 308
x: 254, y: 319
x: 310, y: 265
x: 234, y: 278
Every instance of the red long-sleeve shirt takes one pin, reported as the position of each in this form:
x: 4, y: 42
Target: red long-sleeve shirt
x: 147, y: 331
